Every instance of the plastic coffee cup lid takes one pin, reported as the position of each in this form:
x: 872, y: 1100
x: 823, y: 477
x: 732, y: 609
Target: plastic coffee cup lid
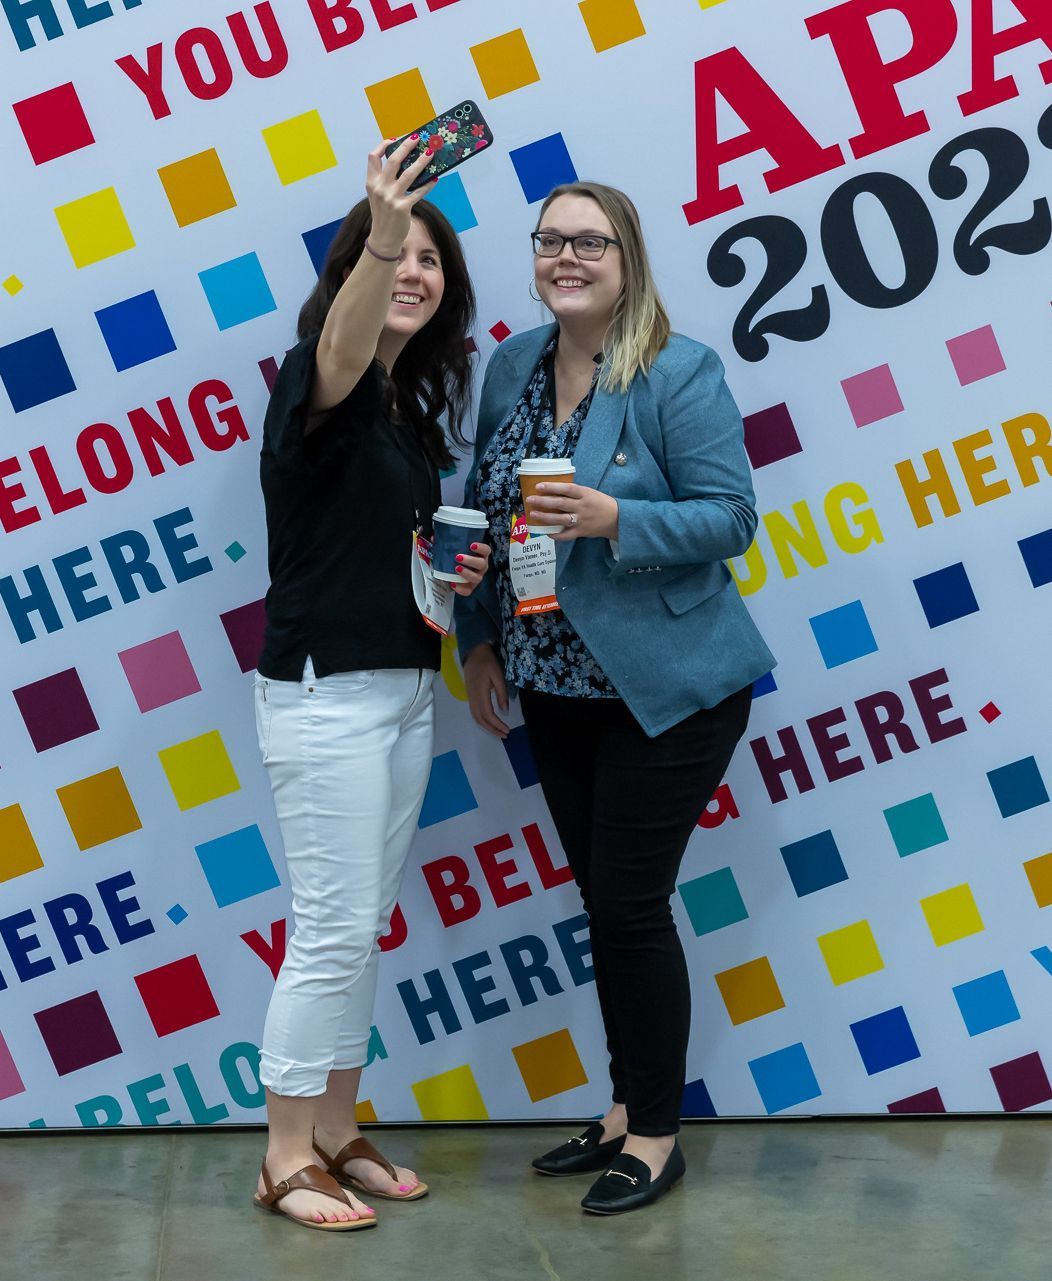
x: 462, y: 516
x: 546, y: 466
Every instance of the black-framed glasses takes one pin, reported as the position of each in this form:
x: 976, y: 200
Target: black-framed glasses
x: 589, y: 247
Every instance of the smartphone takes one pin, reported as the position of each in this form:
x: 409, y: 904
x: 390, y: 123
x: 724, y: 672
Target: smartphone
x: 451, y: 138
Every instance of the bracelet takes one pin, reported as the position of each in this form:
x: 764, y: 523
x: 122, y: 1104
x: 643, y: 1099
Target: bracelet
x: 381, y: 257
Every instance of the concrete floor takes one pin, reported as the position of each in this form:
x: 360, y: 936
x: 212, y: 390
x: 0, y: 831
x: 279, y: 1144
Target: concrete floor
x: 819, y: 1201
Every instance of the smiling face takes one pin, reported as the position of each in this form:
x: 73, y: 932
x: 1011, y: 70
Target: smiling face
x: 576, y: 291
x: 418, y: 286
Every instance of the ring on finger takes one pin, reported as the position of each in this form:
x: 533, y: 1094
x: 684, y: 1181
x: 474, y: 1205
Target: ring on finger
x: 573, y: 519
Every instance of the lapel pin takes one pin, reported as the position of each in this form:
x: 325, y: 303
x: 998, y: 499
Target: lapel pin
x: 620, y: 459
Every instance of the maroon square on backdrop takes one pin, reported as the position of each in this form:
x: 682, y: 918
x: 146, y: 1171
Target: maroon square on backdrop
x: 926, y: 1102
x: 244, y: 630
x: 1022, y: 1083
x: 78, y: 1033
x: 56, y: 710
x: 53, y: 123
x: 770, y: 436
x: 177, y: 995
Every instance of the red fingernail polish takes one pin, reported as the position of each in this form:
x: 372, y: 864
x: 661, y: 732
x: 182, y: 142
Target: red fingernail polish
x: 414, y: 135
x: 460, y: 569
x: 474, y: 547
x: 460, y: 558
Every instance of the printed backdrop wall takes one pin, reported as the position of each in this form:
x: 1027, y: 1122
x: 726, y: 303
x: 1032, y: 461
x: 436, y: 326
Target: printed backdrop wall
x: 851, y: 203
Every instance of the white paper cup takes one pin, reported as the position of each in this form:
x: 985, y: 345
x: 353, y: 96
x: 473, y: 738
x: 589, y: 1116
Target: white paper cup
x: 534, y: 471
x: 456, y: 528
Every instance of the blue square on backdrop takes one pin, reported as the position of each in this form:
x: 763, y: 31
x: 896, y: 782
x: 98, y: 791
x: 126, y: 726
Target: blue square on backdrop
x: 1018, y: 787
x: 1037, y: 557
x: 843, y: 634
x: 986, y: 1003
x: 713, y: 901
x: 542, y: 165
x: 450, y: 198
x: 765, y: 685
x: 237, y: 866
x: 34, y: 370
x: 946, y: 595
x: 448, y: 791
x: 785, y: 1078
x: 814, y: 863
x: 885, y: 1040
x: 177, y: 914
x: 318, y: 240
x: 697, y: 1102
x: 135, y: 331
x: 915, y: 825
x: 517, y: 746
x: 237, y: 291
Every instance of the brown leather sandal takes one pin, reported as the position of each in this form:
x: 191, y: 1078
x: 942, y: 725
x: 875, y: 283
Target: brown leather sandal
x: 363, y: 1150
x: 312, y: 1179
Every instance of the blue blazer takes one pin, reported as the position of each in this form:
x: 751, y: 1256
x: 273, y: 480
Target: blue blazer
x: 659, y: 611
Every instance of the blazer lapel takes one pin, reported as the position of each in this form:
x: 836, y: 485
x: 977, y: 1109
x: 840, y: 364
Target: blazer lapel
x: 595, y: 447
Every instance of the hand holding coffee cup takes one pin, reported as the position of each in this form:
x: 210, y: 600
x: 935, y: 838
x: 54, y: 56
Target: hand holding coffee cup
x: 570, y: 511
x: 458, y: 556
x: 534, y: 472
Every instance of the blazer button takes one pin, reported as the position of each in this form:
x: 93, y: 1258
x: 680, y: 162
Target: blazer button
x: 620, y: 459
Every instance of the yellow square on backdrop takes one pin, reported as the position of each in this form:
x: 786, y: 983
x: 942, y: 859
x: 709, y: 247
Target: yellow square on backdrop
x: 750, y: 991
x: 611, y: 22
x: 1039, y: 873
x: 710, y: 4
x: 451, y: 1096
x: 196, y: 187
x: 94, y: 227
x: 18, y: 850
x: 550, y: 1065
x: 952, y: 915
x: 299, y: 147
x: 99, y: 808
x: 400, y: 104
x: 365, y: 1113
x: 851, y: 953
x: 199, y: 770
x: 13, y: 285
x: 504, y: 63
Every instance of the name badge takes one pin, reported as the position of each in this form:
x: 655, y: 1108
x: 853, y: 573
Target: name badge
x: 434, y: 598
x: 531, y: 564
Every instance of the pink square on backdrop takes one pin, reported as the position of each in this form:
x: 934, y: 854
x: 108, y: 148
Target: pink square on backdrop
x: 872, y: 396
x: 10, y: 1081
x: 159, y: 671
x: 500, y: 331
x: 976, y: 355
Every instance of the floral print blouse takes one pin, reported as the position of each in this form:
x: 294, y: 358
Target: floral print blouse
x: 542, y: 652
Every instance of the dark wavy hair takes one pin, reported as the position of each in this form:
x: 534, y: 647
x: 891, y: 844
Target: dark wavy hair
x: 431, y: 379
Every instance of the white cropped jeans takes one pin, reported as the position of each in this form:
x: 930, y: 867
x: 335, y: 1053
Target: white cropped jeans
x: 348, y: 757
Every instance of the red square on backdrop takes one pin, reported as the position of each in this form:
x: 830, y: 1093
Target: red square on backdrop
x: 53, y: 123
x: 176, y: 995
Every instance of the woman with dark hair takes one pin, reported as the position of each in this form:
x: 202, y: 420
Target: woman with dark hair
x: 636, y: 679
x: 352, y: 443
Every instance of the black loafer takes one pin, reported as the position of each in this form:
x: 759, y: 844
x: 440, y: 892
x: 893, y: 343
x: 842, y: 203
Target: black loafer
x: 627, y: 1184
x: 583, y: 1154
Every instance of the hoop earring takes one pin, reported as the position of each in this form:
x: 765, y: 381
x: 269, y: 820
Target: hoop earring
x: 534, y: 296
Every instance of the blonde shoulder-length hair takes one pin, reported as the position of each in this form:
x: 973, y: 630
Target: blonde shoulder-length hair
x: 640, y: 326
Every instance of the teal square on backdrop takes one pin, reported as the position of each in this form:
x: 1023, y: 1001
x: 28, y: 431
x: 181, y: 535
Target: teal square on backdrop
x: 915, y: 825
x: 237, y: 291
x: 713, y: 901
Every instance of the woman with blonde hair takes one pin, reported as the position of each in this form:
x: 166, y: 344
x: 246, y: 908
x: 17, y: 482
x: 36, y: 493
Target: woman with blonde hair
x: 633, y: 654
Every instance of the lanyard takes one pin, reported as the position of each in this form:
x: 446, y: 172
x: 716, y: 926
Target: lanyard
x: 409, y: 457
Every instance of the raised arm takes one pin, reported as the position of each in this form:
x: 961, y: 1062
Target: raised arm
x: 352, y: 328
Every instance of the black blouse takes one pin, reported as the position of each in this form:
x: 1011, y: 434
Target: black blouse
x: 342, y: 500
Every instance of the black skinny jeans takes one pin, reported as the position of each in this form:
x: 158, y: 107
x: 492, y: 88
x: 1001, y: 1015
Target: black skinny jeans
x: 624, y: 806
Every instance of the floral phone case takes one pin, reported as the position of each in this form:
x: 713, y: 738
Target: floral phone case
x: 451, y: 138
